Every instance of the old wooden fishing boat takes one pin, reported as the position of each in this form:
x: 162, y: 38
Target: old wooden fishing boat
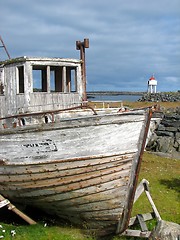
x: 60, y: 155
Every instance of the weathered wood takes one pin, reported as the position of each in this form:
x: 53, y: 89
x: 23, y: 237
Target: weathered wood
x: 140, y: 189
x: 142, y: 223
x: 12, y: 101
x: 142, y: 218
x: 4, y: 202
x: 146, y: 217
x: 77, y: 168
x: 144, y: 187
x: 158, y: 217
x: 101, y: 138
x: 136, y: 233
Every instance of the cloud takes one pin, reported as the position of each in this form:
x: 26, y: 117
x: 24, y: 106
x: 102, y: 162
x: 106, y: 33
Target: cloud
x: 129, y: 40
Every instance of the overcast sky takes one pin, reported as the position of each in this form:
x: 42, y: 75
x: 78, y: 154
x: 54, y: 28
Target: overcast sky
x: 129, y: 39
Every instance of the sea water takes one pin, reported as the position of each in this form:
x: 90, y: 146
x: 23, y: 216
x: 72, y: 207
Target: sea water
x: 131, y: 98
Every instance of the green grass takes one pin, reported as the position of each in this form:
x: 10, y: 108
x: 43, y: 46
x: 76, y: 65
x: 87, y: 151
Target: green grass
x: 40, y: 232
x: 163, y: 175
x: 129, y: 104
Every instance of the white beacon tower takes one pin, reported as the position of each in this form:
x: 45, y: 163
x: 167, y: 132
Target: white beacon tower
x: 152, y: 83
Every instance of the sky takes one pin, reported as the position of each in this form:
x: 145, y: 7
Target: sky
x: 130, y: 40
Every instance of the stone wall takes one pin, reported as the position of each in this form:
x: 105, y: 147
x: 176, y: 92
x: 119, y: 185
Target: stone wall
x: 166, y: 137
x: 161, y: 97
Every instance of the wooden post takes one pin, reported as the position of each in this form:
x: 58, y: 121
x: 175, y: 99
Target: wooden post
x: 5, y: 202
x: 81, y: 46
x: 144, y: 187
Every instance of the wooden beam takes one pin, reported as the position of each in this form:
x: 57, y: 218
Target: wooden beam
x: 144, y: 187
x: 142, y: 223
x: 6, y: 202
x: 136, y: 233
x: 146, y: 217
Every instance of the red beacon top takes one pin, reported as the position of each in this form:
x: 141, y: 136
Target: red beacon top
x: 152, y: 78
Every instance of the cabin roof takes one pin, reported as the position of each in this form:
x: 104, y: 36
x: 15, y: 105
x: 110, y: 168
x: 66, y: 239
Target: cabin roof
x: 45, y: 59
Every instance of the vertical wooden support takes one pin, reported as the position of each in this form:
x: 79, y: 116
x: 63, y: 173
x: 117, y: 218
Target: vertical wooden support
x: 48, y: 79
x: 64, y: 79
x: 81, y: 46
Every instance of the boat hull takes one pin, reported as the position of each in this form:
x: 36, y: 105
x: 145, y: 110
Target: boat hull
x: 83, y: 170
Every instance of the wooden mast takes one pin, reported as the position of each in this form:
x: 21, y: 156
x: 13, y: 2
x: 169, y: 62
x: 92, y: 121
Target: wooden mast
x: 81, y: 46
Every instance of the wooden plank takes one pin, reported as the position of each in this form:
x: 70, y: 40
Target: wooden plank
x: 58, y: 168
x: 136, y: 233
x: 158, y: 217
x: 4, y: 203
x: 144, y: 187
x: 97, y: 176
x: 146, y: 217
x: 140, y: 189
x: 91, y: 141
x: 16, y: 210
x: 142, y: 223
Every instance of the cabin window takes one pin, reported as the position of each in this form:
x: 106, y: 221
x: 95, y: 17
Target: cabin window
x: 39, y: 79
x: 56, y: 79
x: 71, y: 79
x: 21, y: 79
x: 1, y: 82
x: 1, y: 89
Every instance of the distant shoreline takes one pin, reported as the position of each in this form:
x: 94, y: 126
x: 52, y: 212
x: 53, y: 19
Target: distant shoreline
x: 114, y: 93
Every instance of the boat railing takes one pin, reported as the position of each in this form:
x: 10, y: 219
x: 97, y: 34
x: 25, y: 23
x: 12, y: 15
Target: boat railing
x: 106, y: 104
x: 18, y: 119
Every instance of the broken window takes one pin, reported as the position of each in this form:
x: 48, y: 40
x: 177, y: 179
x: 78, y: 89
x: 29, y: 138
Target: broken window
x: 21, y: 79
x: 1, y: 81
x: 71, y: 79
x: 1, y: 88
x: 39, y: 79
x: 56, y: 84
x: 44, y: 81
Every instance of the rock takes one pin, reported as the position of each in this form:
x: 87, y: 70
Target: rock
x: 170, y: 123
x: 165, y: 144
x: 177, y: 135
x: 171, y: 129
x: 176, y: 145
x: 161, y: 127
x: 166, y: 231
x: 152, y: 143
x: 166, y: 135
x: 161, y: 97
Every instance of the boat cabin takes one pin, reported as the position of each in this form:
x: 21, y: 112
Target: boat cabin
x: 39, y: 84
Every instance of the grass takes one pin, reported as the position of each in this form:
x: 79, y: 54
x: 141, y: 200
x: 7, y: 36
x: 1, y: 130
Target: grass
x: 163, y: 176
x: 40, y: 232
x: 146, y: 104
x: 136, y: 104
